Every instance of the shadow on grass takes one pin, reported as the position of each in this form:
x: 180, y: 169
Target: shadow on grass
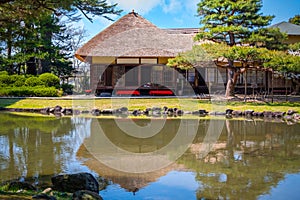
x: 4, y: 102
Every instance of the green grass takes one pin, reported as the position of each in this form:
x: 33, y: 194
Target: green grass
x: 185, y: 104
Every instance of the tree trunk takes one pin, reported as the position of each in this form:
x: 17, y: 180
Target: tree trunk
x: 31, y: 66
x: 296, y: 84
x: 9, y: 49
x: 231, y: 39
x: 233, y: 75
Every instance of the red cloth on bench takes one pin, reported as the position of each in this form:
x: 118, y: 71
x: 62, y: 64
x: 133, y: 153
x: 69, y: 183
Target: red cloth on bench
x: 128, y: 92
x: 160, y: 92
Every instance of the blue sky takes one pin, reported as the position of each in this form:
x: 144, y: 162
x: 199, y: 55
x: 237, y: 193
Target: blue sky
x: 182, y: 13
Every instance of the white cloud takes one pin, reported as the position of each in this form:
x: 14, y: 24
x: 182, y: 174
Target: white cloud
x: 171, y: 6
x: 140, y: 6
x: 191, y: 5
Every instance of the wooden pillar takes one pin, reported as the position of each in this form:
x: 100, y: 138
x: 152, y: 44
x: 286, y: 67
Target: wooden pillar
x: 272, y: 85
x: 245, y: 84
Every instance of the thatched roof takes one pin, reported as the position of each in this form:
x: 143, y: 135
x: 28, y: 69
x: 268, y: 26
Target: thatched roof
x: 134, y: 36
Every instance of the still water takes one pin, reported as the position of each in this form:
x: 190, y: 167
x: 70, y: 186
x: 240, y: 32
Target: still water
x: 157, y: 158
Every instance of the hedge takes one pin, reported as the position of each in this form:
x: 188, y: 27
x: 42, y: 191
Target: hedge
x: 45, y: 85
x: 25, y: 91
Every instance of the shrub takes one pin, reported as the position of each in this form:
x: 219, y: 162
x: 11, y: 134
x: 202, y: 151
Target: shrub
x: 45, y: 92
x: 49, y: 80
x: 3, y: 73
x: 18, y: 80
x: 33, y: 81
x: 16, y: 91
x: 25, y: 91
x: 5, y: 80
x: 12, y: 80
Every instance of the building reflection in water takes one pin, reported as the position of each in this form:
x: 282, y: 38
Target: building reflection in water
x: 247, y: 159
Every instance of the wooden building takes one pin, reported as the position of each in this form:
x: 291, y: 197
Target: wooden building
x: 130, y: 56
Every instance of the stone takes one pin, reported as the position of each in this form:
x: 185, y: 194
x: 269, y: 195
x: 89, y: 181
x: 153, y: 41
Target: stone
x: 296, y: 116
x: 258, y: 114
x: 96, y: 112
x: 248, y: 112
x: 157, y: 109
x: 136, y: 112
x: 21, y: 185
x: 86, y: 195
x: 67, y: 111
x: 228, y: 111
x: 147, y: 111
x: 170, y: 111
x: 123, y: 109
x: 74, y: 182
x: 47, y: 190
x: 85, y: 112
x: 288, y: 117
x: 179, y: 112
x: 217, y: 113
x: 237, y: 113
x: 107, y: 111
x: 45, y: 110
x: 203, y: 112
x: 278, y: 114
x: 291, y: 112
x: 76, y: 112
x: 56, y: 109
x: 268, y: 114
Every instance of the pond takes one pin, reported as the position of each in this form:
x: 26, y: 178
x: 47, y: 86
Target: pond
x: 157, y: 158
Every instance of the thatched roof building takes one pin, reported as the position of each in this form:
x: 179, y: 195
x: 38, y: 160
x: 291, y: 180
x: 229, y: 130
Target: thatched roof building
x: 130, y: 42
x: 134, y: 36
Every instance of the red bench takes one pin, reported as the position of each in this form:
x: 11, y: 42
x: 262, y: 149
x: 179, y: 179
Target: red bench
x: 160, y: 92
x: 87, y: 92
x: 128, y: 92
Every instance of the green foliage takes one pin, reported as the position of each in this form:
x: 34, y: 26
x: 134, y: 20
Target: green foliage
x: 33, y: 81
x: 35, y: 36
x: 179, y: 62
x: 18, y: 80
x: 230, y: 21
x: 5, y: 80
x: 49, y: 80
x: 3, y: 73
x: 283, y: 62
x: 46, y: 92
x: 295, y: 20
x: 295, y: 46
x: 270, y: 38
x: 25, y: 91
x: 198, y: 56
x: 67, y: 88
x: 73, y: 9
x: 21, y: 86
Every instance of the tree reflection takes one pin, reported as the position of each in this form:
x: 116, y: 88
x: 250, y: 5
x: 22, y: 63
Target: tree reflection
x: 34, y: 146
x: 249, y: 158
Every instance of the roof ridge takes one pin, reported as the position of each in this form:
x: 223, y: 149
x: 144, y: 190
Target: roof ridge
x: 129, y: 21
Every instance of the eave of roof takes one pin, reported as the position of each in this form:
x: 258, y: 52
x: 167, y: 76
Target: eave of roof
x: 289, y: 28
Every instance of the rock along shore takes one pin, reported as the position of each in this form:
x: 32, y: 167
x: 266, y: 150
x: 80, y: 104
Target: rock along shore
x: 58, y: 111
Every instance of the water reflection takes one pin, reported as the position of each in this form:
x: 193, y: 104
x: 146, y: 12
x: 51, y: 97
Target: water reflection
x: 249, y: 160
x: 33, y: 147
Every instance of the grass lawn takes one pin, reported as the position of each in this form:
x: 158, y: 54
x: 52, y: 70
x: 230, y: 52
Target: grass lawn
x: 185, y: 104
